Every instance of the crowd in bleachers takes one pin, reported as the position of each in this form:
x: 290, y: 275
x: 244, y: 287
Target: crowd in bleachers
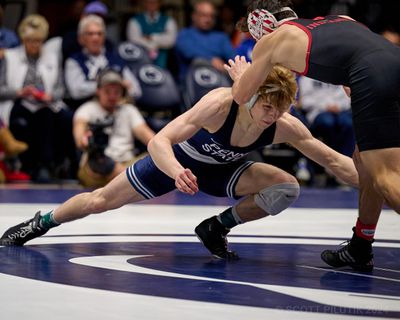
x: 81, y: 106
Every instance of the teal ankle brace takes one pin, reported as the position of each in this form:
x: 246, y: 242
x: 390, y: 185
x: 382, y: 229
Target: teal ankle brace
x: 47, y: 221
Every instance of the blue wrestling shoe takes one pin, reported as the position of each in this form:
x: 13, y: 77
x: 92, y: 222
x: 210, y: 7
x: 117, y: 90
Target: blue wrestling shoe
x: 23, y: 232
x: 213, y: 235
x: 357, y: 253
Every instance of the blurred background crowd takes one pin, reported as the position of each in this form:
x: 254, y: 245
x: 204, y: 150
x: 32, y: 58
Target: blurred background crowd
x: 84, y: 85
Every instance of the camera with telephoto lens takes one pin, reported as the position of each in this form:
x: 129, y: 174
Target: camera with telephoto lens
x: 98, y: 161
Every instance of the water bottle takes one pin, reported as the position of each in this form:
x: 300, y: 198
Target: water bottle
x: 302, y: 173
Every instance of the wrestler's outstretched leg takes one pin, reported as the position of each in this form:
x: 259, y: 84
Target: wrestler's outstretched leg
x: 114, y: 195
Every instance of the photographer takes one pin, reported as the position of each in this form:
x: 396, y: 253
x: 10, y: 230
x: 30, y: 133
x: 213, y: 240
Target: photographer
x: 105, y: 128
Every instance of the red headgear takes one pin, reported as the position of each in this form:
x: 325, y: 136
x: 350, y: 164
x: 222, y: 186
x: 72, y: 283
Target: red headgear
x: 261, y: 22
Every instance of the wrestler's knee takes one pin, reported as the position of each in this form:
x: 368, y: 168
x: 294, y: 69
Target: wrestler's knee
x: 278, y: 197
x: 284, y: 177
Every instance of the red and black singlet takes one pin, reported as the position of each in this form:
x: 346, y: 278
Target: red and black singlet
x: 337, y: 44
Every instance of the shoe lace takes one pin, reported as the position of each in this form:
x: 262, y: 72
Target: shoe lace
x: 31, y: 227
x: 345, y: 245
x: 223, y: 242
x: 343, y: 253
x: 21, y: 233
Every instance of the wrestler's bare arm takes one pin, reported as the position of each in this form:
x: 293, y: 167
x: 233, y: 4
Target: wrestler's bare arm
x: 246, y: 84
x: 292, y: 131
x: 204, y: 114
x: 286, y: 46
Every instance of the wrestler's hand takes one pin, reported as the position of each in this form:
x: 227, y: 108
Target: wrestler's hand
x: 186, y: 182
x: 237, y: 67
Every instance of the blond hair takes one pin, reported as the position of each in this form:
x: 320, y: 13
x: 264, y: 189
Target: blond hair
x: 34, y: 26
x: 279, y: 88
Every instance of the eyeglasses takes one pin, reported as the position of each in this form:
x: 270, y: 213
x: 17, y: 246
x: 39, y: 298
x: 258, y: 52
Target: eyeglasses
x: 94, y: 33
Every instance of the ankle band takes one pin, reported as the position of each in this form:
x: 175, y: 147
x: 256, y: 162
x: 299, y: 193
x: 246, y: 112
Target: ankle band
x: 229, y: 218
x: 47, y: 221
x: 365, y: 231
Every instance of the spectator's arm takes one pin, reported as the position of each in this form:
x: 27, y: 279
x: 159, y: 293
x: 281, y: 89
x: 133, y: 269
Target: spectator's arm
x: 134, y: 34
x: 133, y: 31
x: 81, y: 133
x: 143, y: 133
x: 134, y: 89
x: 341, y: 98
x: 218, y: 64
x: 59, y: 89
x: 140, y: 129
x: 306, y: 93
x: 77, y: 84
x: 166, y: 39
x: 6, y: 93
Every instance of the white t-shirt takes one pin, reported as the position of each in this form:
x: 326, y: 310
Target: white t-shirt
x: 316, y: 96
x: 121, y: 140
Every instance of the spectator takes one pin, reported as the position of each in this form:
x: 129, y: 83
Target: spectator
x: 67, y: 44
x: 328, y: 112
x: 245, y: 47
x: 112, y: 26
x: 107, y: 155
x: 202, y: 41
x: 8, y: 38
x: 153, y: 30
x: 82, y: 68
x: 30, y: 94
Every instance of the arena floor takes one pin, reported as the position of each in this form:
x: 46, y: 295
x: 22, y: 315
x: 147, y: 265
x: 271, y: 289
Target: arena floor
x: 143, y: 262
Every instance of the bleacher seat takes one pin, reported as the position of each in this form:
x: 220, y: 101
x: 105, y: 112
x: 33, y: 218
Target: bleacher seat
x: 161, y: 100
x: 201, y: 78
x: 133, y: 54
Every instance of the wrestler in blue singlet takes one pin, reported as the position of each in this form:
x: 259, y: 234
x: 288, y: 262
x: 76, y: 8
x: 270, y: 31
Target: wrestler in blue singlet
x: 217, y: 164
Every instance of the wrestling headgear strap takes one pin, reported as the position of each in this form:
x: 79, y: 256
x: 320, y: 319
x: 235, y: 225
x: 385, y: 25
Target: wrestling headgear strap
x: 261, y: 22
x: 270, y: 88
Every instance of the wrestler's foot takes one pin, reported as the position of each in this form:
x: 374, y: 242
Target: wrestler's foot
x: 357, y: 253
x: 23, y: 232
x: 213, y: 235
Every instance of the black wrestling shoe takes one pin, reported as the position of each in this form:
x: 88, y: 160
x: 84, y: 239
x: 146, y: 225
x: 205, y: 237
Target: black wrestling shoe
x: 213, y: 235
x: 357, y: 253
x: 23, y: 232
